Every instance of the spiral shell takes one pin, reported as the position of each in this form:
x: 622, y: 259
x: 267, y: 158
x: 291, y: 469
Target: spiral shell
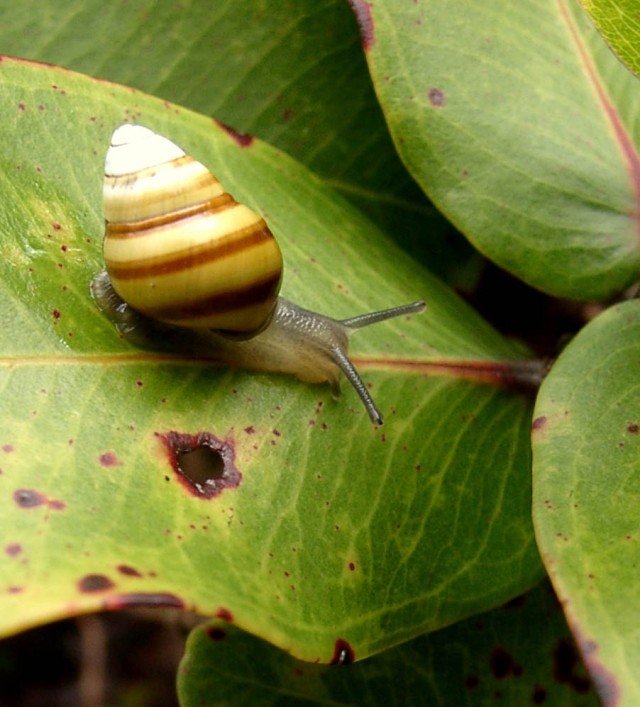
x: 177, y: 247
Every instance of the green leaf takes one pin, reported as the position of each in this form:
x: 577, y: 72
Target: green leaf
x: 508, y: 656
x: 619, y: 23
x: 336, y: 530
x: 586, y: 487
x: 522, y: 127
x: 292, y: 74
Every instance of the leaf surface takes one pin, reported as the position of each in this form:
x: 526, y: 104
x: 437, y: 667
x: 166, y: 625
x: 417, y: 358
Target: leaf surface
x: 335, y: 529
x: 506, y: 656
x: 586, y: 486
x: 620, y: 25
x: 523, y: 129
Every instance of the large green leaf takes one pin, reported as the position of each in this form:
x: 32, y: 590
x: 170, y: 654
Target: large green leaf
x: 290, y: 73
x: 522, y: 127
x: 586, y: 487
x: 507, y: 656
x: 336, y: 530
x: 619, y: 23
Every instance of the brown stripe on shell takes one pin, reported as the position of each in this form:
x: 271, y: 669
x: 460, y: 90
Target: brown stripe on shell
x: 223, y: 302
x: 241, y: 240
x: 131, y: 229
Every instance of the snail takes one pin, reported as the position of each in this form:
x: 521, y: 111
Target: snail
x: 190, y: 269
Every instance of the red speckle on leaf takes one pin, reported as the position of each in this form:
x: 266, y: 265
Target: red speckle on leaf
x: 436, y: 97
x: 243, y: 139
x: 56, y: 314
x: 352, y: 566
x: 109, y: 460
x: 95, y: 583
x: 343, y: 653
x: 539, y: 423
x: 13, y: 549
x: 250, y: 430
x: 224, y: 614
x: 128, y: 571
x: 8, y: 448
x: 362, y: 11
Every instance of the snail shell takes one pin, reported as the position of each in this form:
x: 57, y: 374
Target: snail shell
x: 188, y: 269
x: 177, y: 247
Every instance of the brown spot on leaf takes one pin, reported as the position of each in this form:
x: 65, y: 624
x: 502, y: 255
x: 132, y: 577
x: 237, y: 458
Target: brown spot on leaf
x: 28, y: 498
x: 128, y: 571
x: 502, y: 664
x: 109, y: 460
x: 216, y: 633
x: 436, y: 97
x: 565, y: 664
x: 95, y: 583
x: 243, y: 139
x: 633, y: 428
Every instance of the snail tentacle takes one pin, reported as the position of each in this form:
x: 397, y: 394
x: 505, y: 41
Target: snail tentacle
x: 362, y: 320
x: 352, y: 375
x: 191, y: 271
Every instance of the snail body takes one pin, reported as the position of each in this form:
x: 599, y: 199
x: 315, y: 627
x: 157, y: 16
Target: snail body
x: 190, y: 269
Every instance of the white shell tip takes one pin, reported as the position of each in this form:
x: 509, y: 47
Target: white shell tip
x: 134, y: 147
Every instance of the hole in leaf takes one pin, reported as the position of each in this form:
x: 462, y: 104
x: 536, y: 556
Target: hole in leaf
x: 203, y: 463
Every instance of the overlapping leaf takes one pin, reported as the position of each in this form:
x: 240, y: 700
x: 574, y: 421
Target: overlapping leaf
x: 523, y: 128
x: 620, y: 25
x: 506, y: 656
x: 586, y: 487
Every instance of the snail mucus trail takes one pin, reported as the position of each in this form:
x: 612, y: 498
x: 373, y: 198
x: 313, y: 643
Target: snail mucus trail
x: 189, y: 269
